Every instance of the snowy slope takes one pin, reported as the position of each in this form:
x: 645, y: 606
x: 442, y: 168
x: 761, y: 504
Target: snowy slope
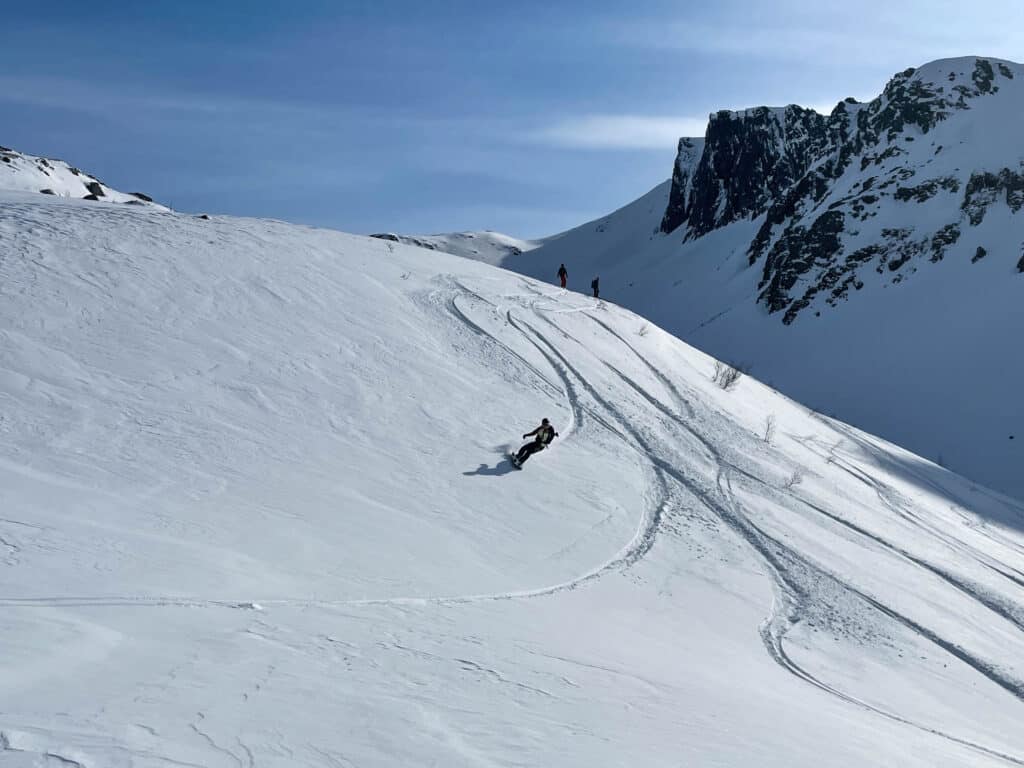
x: 867, y: 264
x: 28, y: 173
x: 254, y: 510
x: 488, y: 247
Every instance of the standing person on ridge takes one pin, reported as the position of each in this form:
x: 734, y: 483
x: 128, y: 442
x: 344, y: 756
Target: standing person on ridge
x: 545, y: 433
x: 562, y: 274
x: 594, y: 285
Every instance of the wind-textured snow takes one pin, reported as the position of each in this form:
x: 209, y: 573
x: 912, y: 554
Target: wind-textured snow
x: 255, y: 510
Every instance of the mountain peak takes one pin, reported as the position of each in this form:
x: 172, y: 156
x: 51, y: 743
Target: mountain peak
x: 965, y: 68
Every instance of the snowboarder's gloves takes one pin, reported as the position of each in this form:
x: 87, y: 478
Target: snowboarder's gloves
x: 525, y: 436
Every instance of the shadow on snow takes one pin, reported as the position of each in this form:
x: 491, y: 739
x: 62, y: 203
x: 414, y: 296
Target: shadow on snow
x: 501, y: 468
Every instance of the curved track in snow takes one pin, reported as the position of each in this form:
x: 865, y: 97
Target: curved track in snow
x: 795, y: 575
x: 568, y: 379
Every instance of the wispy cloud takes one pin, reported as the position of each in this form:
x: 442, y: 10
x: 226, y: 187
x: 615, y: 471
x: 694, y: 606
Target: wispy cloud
x: 632, y: 132
x: 738, y: 39
x: 910, y: 32
x: 106, y: 98
x: 638, y: 132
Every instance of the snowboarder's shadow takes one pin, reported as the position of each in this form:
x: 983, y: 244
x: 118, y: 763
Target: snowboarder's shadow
x: 501, y: 468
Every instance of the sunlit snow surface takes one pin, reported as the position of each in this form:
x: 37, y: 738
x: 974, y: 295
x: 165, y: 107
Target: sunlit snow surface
x: 255, y: 510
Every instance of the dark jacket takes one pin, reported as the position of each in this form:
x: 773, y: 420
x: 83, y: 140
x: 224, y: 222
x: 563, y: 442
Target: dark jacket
x: 545, y: 434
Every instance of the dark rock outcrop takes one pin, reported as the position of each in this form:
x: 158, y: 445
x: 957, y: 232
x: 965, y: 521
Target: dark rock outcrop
x: 927, y: 189
x: 985, y: 188
x: 749, y: 159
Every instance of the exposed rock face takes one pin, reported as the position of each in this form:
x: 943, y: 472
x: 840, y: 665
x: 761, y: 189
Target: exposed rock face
x: 872, y: 187
x: 688, y: 156
x: 984, y: 189
x: 749, y: 160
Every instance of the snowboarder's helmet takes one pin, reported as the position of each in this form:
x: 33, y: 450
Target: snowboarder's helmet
x: 543, y: 421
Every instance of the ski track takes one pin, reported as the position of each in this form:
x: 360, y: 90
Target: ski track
x: 792, y: 595
x: 796, y: 579
x: 902, y: 508
x: 633, y: 551
x: 1009, y: 505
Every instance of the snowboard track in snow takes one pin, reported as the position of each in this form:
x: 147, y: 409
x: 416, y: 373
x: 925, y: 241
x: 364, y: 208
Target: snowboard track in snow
x: 633, y: 551
x: 798, y: 581
x: 793, y: 594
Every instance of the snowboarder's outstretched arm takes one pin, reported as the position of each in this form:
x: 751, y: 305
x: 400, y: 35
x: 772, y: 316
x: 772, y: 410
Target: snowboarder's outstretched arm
x: 531, y: 434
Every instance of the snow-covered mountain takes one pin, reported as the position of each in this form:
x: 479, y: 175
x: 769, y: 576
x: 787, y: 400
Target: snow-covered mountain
x: 49, y: 176
x: 868, y: 263
x: 255, y: 510
x: 486, y: 246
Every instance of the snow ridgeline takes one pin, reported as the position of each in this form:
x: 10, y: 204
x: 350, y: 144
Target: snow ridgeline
x: 489, y: 247
x: 256, y: 502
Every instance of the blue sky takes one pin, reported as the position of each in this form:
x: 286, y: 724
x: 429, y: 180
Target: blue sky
x: 525, y: 117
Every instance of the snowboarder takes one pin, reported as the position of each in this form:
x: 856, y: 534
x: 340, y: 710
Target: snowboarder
x: 562, y: 275
x: 594, y: 285
x: 542, y: 435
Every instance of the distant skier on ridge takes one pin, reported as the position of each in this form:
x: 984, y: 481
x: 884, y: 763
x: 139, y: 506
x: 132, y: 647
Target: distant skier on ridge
x: 595, y: 285
x: 562, y: 275
x: 542, y: 435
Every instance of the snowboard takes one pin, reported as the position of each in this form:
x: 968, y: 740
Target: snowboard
x: 515, y: 462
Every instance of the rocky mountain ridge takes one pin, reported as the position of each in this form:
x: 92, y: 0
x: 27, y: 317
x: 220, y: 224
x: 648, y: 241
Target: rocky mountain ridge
x: 872, y: 187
